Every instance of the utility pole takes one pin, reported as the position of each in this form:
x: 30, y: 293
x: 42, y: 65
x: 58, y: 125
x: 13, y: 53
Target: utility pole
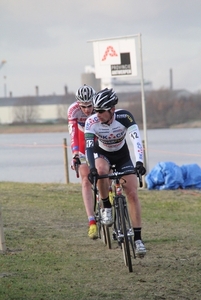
x: 5, y: 88
x: 171, y: 80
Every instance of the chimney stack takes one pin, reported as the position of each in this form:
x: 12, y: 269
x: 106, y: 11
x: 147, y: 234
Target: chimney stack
x: 171, y: 80
x: 65, y: 90
x: 37, y: 91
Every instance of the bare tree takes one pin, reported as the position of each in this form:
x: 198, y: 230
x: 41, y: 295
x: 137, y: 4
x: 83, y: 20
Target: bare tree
x: 62, y: 112
x: 26, y: 112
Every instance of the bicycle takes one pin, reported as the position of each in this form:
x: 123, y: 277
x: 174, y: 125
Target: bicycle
x: 122, y: 230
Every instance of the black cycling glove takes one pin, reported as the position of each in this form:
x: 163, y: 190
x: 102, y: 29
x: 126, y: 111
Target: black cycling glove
x: 75, y: 161
x: 140, y: 168
x: 93, y: 173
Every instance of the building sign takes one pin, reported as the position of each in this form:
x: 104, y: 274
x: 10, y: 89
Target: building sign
x: 115, y: 58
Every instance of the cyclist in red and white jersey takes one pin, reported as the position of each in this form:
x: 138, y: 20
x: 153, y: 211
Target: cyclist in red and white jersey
x: 78, y: 112
x: 105, y: 136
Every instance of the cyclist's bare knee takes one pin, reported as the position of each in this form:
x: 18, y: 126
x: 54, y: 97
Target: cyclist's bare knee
x: 102, y: 166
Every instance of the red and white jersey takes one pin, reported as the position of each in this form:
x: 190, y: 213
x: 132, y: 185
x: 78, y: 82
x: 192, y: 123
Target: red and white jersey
x: 76, y: 123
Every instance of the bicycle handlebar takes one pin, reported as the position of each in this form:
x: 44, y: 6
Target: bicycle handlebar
x: 118, y: 175
x: 115, y: 175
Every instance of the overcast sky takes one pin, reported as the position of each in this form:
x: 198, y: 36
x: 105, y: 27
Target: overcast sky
x: 45, y: 41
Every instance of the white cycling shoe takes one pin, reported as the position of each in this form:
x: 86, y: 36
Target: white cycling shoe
x: 106, y: 215
x: 140, y: 249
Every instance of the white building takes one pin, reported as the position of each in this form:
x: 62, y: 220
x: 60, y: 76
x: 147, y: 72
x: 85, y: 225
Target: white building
x: 34, y: 109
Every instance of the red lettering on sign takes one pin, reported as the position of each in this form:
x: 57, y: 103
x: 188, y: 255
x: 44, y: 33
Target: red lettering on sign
x: 109, y: 51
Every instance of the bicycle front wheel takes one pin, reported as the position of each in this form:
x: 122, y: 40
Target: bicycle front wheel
x: 125, y: 242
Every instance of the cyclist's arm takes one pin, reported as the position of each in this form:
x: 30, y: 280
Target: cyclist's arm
x: 127, y: 119
x: 73, y: 131
x: 89, y: 141
x: 134, y: 134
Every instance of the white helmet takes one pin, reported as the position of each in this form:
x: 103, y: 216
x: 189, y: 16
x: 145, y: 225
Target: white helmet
x: 85, y: 94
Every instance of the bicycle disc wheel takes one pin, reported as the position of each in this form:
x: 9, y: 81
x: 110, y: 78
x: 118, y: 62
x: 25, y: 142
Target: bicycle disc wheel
x: 125, y: 243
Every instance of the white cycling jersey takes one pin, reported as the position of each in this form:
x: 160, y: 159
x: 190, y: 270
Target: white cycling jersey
x: 112, y: 137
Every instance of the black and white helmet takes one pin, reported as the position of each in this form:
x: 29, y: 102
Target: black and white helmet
x: 105, y: 99
x: 85, y: 94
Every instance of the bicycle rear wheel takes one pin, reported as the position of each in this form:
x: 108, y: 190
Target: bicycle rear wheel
x: 125, y: 242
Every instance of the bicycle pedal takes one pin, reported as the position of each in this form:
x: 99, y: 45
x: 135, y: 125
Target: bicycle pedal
x: 141, y: 256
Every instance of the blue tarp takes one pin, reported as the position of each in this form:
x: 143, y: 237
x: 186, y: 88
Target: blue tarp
x: 169, y: 176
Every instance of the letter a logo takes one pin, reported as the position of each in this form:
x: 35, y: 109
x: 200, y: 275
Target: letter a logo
x: 109, y: 52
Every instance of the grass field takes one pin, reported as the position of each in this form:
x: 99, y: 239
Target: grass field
x: 50, y: 257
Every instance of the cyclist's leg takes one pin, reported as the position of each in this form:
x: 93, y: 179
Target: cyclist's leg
x: 86, y: 190
x: 130, y: 188
x: 88, y: 197
x: 103, y: 167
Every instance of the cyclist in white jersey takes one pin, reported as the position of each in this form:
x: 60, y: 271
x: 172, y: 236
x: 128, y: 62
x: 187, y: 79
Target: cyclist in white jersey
x: 105, y: 137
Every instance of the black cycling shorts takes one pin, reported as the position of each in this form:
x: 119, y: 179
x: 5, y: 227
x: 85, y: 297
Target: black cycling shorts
x: 121, y: 158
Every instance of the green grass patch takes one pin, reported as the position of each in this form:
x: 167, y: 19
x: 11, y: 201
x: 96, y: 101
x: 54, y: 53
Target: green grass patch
x: 49, y: 255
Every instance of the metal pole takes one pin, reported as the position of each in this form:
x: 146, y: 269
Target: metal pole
x: 171, y: 80
x: 5, y: 87
x: 1, y: 65
x: 66, y: 160
x: 146, y: 162
x: 143, y: 178
x: 2, y: 240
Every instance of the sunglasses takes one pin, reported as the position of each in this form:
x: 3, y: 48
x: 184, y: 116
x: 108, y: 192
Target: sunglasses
x: 86, y: 106
x: 101, y: 111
